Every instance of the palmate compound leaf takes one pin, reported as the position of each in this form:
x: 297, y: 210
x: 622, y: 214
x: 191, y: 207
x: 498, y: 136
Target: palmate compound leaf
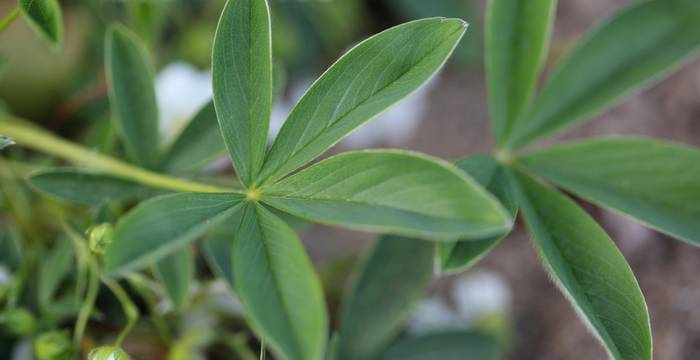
x: 242, y: 79
x: 44, y: 17
x: 392, y: 279
x: 517, y: 39
x: 458, y: 256
x: 635, y: 47
x: 653, y: 181
x: 278, y: 287
x: 588, y: 268
x: 132, y: 96
x: 367, y: 80
x: 395, y: 192
x: 162, y: 225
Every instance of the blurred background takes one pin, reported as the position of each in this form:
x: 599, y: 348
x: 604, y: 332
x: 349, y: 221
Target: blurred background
x: 508, y: 292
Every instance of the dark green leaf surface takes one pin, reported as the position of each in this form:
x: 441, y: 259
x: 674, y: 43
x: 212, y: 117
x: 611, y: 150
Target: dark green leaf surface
x: 458, y: 256
x: 198, y: 145
x: 367, y: 80
x: 85, y: 188
x: 44, y: 17
x: 589, y: 270
x: 393, y: 277
x: 242, y: 75
x: 456, y: 345
x: 517, y: 39
x: 10, y: 253
x: 53, y: 270
x: 655, y: 182
x: 132, y: 95
x: 160, y: 226
x: 278, y: 286
x: 176, y: 272
x: 396, y: 192
x: 637, y: 46
x: 218, y: 247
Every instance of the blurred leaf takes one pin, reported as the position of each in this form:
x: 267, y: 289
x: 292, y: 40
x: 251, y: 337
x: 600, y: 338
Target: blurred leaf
x: 218, y: 247
x: 10, y: 251
x: 456, y: 345
x: 392, y: 279
x: 199, y: 144
x: 635, y: 47
x: 5, y: 142
x: 242, y: 71
x: 517, y: 40
x: 458, y: 256
x: 176, y: 272
x: 278, y: 286
x: 54, y: 269
x: 86, y: 188
x: 44, y: 17
x: 391, y: 191
x: 132, y: 95
x: 162, y: 225
x: 366, y: 81
x: 653, y: 181
x: 589, y: 270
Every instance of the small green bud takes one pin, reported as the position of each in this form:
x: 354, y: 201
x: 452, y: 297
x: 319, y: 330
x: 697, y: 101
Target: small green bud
x: 54, y: 345
x: 100, y: 237
x: 108, y: 353
x: 18, y: 321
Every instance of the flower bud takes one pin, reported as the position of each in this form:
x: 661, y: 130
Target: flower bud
x: 55, y: 345
x: 100, y: 237
x: 108, y: 353
x: 18, y: 322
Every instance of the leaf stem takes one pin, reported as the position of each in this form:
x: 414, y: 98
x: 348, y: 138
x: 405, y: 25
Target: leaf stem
x: 88, y: 302
x: 130, y: 310
x: 9, y: 18
x: 40, y: 140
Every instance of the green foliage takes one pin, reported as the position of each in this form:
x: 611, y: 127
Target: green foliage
x: 53, y: 271
x: 176, y: 272
x: 649, y: 180
x: 589, y: 269
x: 372, y: 76
x: 391, y: 191
x: 634, y: 48
x: 383, y: 294
x: 44, y: 17
x: 108, y: 353
x: 278, y: 286
x: 86, y: 188
x: 516, y: 39
x: 132, y: 96
x: 5, y: 142
x: 456, y: 345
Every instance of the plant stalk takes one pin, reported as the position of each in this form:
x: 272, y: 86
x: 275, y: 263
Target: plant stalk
x: 9, y: 18
x: 40, y: 140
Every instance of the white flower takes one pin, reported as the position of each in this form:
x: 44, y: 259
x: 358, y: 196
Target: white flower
x: 181, y: 90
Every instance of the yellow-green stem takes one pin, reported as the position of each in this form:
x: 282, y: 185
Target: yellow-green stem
x: 9, y: 18
x: 40, y: 140
x: 130, y: 310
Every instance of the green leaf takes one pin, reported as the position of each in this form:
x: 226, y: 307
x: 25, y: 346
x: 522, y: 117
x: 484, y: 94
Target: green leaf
x: 242, y: 75
x: 517, y: 38
x: 132, y: 95
x: 655, y: 182
x: 199, y: 144
x: 635, y: 47
x: 394, y: 192
x: 393, y: 277
x: 589, y: 270
x: 162, y: 225
x: 459, y: 256
x: 176, y: 272
x: 44, y: 17
x: 10, y: 250
x: 454, y: 345
x: 218, y: 245
x: 366, y: 81
x: 278, y: 286
x: 5, y: 142
x: 53, y: 270
x: 86, y: 188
